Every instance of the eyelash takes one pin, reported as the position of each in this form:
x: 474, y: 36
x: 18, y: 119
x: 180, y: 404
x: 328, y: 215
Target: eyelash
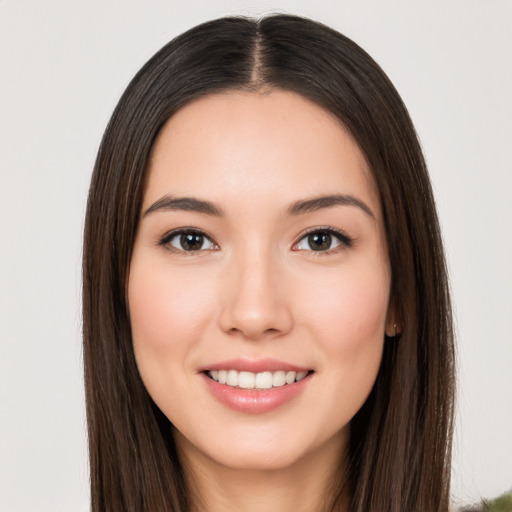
x: 344, y: 241
x: 166, y: 240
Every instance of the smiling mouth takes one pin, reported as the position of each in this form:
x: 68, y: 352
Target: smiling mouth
x: 250, y: 380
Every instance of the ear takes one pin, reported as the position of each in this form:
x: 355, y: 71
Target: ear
x: 393, y: 323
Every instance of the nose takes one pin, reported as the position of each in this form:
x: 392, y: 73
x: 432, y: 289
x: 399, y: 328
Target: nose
x: 255, y: 302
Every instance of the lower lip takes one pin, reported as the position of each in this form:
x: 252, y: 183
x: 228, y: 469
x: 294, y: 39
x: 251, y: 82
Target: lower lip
x: 255, y: 401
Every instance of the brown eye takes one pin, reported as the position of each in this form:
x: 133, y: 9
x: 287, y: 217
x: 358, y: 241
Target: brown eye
x: 320, y: 241
x: 323, y: 240
x: 188, y: 241
x: 191, y: 241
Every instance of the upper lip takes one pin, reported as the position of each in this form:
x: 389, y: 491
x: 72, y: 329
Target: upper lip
x: 254, y: 366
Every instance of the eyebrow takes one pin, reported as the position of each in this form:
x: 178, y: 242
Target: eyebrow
x: 188, y: 204
x: 192, y: 204
x: 319, y: 203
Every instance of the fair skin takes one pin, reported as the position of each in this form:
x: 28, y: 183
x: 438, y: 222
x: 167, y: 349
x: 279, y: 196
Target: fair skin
x: 256, y: 274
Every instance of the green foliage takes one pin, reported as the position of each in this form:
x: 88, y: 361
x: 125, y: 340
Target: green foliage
x: 502, y: 503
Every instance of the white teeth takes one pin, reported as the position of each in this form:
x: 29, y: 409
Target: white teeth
x: 290, y: 377
x: 246, y: 380
x: 300, y: 376
x: 249, y: 380
x: 278, y: 379
x: 264, y: 380
x: 232, y: 378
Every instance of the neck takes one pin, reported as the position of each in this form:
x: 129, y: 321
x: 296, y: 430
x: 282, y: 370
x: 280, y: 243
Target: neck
x: 310, y: 484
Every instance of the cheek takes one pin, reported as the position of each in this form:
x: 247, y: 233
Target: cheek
x: 349, y: 318
x: 152, y: 312
x: 167, y: 313
x: 349, y: 309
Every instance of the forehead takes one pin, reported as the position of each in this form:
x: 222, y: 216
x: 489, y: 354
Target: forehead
x: 276, y: 143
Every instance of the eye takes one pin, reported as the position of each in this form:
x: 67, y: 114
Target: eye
x: 188, y: 241
x: 323, y: 240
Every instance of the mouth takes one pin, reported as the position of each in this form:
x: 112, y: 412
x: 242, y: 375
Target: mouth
x: 256, y: 387
x: 258, y: 381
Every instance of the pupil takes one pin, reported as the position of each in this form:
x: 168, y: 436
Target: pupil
x: 191, y: 241
x: 319, y: 241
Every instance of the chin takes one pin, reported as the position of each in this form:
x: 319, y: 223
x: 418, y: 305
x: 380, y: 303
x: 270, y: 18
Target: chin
x: 270, y: 450
x: 264, y: 460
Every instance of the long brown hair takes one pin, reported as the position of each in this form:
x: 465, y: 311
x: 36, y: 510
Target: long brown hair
x: 399, y: 453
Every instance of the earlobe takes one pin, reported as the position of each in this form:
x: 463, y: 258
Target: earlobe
x: 393, y: 326
x: 392, y: 331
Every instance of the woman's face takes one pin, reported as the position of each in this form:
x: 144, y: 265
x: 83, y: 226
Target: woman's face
x: 259, y: 282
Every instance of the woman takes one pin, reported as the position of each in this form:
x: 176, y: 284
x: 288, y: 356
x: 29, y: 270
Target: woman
x: 266, y: 311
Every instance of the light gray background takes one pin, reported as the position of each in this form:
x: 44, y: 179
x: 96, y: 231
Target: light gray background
x: 63, y: 66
